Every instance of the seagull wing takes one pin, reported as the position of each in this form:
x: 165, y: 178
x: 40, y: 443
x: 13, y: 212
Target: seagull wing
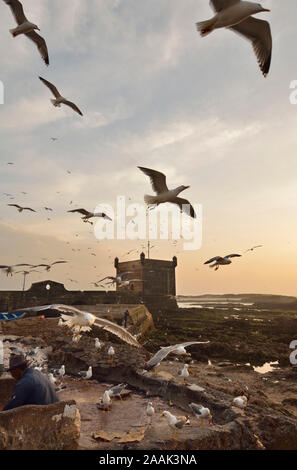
x: 58, y: 262
x: 82, y: 211
x: 117, y: 330
x: 185, y: 206
x: 232, y: 256
x: 219, y: 5
x: 29, y: 209
x: 15, y: 205
x: 73, y: 106
x: 17, y: 10
x: 160, y: 355
x: 158, y: 180
x: 52, y: 87
x: 216, y: 258
x: 259, y: 33
x: 40, y: 43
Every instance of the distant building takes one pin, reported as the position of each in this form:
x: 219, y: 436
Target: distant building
x: 154, y: 277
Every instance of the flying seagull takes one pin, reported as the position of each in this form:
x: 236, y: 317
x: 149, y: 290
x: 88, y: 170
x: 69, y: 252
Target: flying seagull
x: 253, y: 248
x: 84, y: 320
x: 114, y: 280
x: 89, y: 215
x: 236, y: 15
x: 58, y: 98
x: 158, y: 181
x: 20, y: 208
x: 160, y: 355
x: 10, y: 269
x: 49, y: 266
x: 219, y: 261
x: 27, y: 28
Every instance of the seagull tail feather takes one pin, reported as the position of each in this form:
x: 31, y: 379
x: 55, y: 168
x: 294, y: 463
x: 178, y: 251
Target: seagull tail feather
x: 149, y: 200
x: 205, y: 27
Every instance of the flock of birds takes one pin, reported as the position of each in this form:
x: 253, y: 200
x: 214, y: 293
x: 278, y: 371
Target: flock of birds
x: 235, y: 15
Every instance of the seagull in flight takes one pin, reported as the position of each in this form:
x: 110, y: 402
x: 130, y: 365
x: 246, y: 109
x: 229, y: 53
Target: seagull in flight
x: 163, y: 352
x: 10, y: 269
x: 163, y: 194
x: 58, y: 98
x: 27, y: 28
x: 220, y: 261
x: 253, y: 248
x: 237, y: 16
x: 49, y: 266
x: 20, y: 208
x: 115, y: 280
x: 89, y: 215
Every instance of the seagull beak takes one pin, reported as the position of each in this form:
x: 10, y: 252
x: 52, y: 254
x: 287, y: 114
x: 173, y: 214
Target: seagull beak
x: 187, y: 187
x: 265, y: 9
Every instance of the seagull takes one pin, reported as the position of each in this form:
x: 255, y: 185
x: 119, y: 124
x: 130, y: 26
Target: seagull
x: 58, y: 98
x: 61, y: 371
x: 49, y: 266
x: 253, y: 248
x: 160, y: 355
x: 150, y: 411
x: 10, y: 269
x: 111, y: 353
x: 202, y: 413
x: 27, y: 28
x: 84, y: 320
x: 174, y: 422
x: 86, y: 375
x: 52, y: 379
x: 98, y: 345
x: 106, y: 401
x: 240, y: 402
x: 158, y: 181
x: 76, y: 338
x: 89, y: 215
x: 236, y: 15
x: 48, y: 209
x: 127, y: 283
x: 219, y: 261
x: 116, y: 279
x: 116, y: 390
x: 20, y: 208
x: 184, y: 372
x: 60, y: 322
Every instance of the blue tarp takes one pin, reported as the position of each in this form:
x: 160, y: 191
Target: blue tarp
x: 11, y: 316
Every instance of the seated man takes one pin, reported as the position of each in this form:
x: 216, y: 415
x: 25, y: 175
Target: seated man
x: 32, y: 387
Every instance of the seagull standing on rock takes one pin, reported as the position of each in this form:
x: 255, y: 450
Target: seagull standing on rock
x: 184, y: 372
x: 86, y: 375
x: 202, y: 413
x: 236, y: 15
x: 111, y: 353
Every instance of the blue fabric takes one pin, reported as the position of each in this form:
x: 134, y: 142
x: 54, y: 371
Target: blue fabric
x: 32, y: 389
x: 11, y: 316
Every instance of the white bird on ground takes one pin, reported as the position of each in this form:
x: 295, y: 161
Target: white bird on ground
x: 240, y: 401
x: 111, y: 353
x: 61, y: 371
x: 236, y: 15
x: 202, y: 413
x: 150, y: 411
x: 98, y: 345
x: 175, y: 422
x: 76, y: 338
x: 52, y: 379
x: 86, y: 374
x: 106, y: 401
x: 89, y: 215
x: 27, y: 28
x: 60, y: 322
x: 184, y: 372
x: 221, y: 261
x: 116, y: 390
x: 158, y: 181
x: 58, y: 98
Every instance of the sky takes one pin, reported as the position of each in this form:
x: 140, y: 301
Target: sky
x: 154, y: 94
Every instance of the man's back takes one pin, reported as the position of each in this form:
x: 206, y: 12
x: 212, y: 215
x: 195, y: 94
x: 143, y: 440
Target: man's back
x: 33, y: 388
